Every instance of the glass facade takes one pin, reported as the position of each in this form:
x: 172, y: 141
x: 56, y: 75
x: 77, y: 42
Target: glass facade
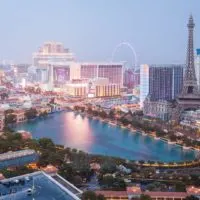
x: 165, y: 82
x: 88, y: 71
x: 113, y: 72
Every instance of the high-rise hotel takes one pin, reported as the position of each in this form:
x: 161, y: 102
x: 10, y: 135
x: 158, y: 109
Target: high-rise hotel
x: 51, y: 51
x: 112, y: 71
x: 56, y: 66
x: 160, y: 82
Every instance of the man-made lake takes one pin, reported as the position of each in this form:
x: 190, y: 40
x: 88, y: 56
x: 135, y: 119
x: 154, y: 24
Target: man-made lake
x: 94, y: 136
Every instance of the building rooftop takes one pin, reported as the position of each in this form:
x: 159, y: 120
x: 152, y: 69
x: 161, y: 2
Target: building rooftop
x: 37, y: 185
x: 166, y: 194
x: 112, y: 193
x: 16, y: 154
x: 17, y: 158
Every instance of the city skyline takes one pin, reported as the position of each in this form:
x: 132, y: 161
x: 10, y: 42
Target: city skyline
x: 156, y: 30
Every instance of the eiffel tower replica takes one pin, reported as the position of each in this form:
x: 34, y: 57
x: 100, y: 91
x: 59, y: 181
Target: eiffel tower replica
x: 189, y: 98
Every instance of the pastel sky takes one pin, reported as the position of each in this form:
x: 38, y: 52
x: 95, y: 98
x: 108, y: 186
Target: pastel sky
x: 93, y: 28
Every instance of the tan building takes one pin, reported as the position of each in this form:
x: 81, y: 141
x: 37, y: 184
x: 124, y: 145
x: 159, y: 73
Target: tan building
x: 100, y: 87
x: 42, y: 109
x: 76, y: 89
x: 20, y: 115
x: 107, y: 90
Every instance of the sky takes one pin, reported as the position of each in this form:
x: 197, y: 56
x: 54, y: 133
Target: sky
x: 156, y: 29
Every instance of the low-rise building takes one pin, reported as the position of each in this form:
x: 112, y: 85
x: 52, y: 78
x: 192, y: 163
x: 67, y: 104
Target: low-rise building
x: 17, y: 158
x: 136, y: 192
x: 25, y: 134
x: 20, y: 115
x: 101, y: 87
x: 76, y: 89
x: 107, y: 90
x: 97, y: 87
x: 42, y: 109
x: 191, y: 118
x: 158, y: 109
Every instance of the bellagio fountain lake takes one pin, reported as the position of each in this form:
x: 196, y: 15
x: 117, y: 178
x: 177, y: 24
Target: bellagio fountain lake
x: 97, y: 137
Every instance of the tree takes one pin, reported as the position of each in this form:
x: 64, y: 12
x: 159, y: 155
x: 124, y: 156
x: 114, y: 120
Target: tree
x: 124, y: 121
x: 38, y: 90
x: 43, y: 114
x: 111, y: 114
x: 103, y: 114
x: 100, y: 197
x: 108, y: 181
x: 89, y: 110
x: 145, y: 197
x: 10, y: 119
x: 90, y: 195
x: 173, y: 138
x: 4, y: 96
x: 82, y: 109
x: 46, y: 143
x: 52, y: 101
x: 95, y: 112
x: 77, y: 180
x: 108, y: 167
x: 9, y: 111
x: 31, y: 113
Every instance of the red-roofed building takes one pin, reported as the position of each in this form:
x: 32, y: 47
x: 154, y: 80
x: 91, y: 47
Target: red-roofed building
x: 135, y: 192
x: 50, y: 169
x: 167, y: 195
x: 25, y: 134
x: 113, y: 194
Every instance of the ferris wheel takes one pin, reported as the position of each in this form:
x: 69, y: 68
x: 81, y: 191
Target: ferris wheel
x: 134, y: 58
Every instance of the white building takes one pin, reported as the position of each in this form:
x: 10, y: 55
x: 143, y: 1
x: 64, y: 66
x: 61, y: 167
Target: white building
x: 51, y: 51
x: 144, y: 83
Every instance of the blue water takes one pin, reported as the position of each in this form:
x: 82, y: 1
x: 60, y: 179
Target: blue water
x: 94, y: 136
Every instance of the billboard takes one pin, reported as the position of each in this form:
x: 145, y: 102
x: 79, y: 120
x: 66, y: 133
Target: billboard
x: 61, y: 74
